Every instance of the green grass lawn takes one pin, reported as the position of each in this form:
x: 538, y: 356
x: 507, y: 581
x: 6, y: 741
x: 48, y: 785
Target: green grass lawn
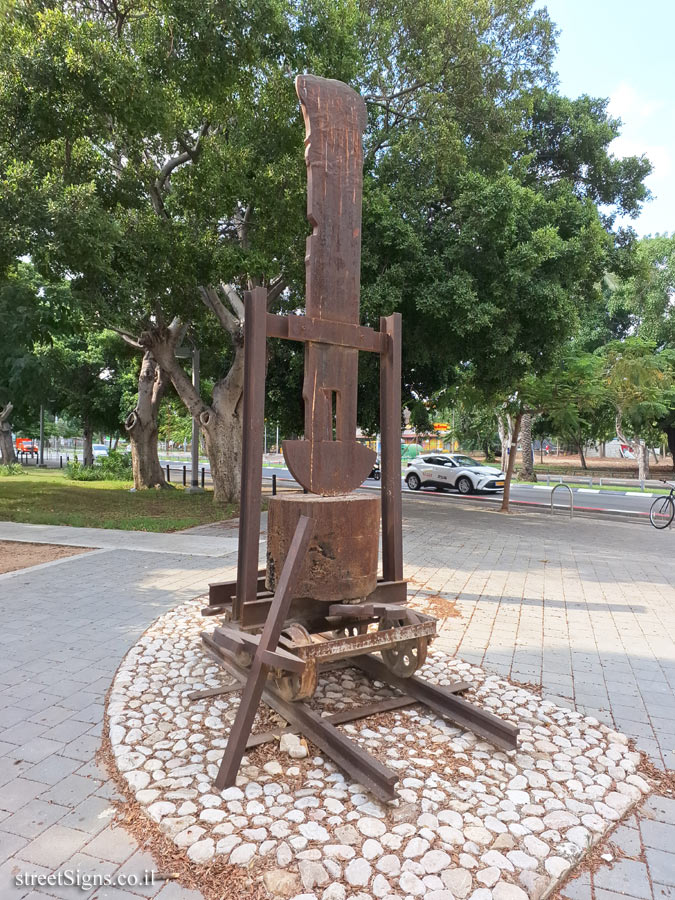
x: 47, y: 497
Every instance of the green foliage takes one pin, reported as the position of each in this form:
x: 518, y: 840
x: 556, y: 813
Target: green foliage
x: 11, y: 469
x: 115, y: 466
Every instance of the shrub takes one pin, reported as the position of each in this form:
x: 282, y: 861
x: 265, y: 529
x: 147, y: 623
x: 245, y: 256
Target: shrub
x: 11, y: 469
x: 114, y: 467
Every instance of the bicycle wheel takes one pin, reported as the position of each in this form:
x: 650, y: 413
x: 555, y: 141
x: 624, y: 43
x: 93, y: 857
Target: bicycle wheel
x: 662, y: 512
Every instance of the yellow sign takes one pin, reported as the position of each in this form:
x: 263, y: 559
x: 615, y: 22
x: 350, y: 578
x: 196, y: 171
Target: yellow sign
x: 441, y: 426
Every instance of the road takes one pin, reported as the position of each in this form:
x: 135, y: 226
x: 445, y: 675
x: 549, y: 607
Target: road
x: 587, y: 500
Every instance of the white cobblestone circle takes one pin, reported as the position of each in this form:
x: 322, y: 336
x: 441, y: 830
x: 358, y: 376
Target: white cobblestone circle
x: 469, y: 821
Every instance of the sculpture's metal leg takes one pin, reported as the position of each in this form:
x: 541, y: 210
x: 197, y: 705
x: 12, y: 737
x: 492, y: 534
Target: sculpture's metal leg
x: 241, y: 728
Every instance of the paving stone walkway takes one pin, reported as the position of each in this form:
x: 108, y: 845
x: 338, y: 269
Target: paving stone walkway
x: 584, y: 608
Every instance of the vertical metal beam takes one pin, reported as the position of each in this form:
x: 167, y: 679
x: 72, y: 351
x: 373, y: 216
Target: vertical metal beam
x: 253, y: 417
x: 390, y: 429
x: 194, y: 462
x: 255, y: 684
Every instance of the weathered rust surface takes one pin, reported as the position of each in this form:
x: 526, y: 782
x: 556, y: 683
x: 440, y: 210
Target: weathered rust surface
x: 330, y: 461
x: 341, y: 563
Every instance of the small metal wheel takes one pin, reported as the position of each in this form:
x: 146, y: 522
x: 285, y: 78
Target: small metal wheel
x: 243, y: 658
x: 406, y: 657
x: 290, y: 685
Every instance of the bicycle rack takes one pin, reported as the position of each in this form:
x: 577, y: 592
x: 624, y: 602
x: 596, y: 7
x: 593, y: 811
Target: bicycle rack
x: 571, y: 497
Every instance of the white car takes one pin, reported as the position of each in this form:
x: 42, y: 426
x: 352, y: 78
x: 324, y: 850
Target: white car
x: 99, y: 450
x: 453, y: 470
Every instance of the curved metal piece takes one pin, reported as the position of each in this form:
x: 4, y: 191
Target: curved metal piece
x: 571, y: 497
x: 291, y: 685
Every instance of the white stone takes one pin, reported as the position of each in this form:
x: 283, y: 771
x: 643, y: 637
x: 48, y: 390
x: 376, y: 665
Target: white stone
x: 371, y: 849
x: 478, y: 835
x: 312, y: 873
x: 507, y: 891
x: 358, y: 872
x: 521, y: 860
x: 371, y: 827
x: 380, y: 886
x: 137, y: 779
x: 389, y: 864
x: 314, y: 832
x: 435, y: 861
x: 189, y: 836
x: 411, y: 884
x: 161, y: 808
x: 243, y: 854
x: 489, y: 876
x: 334, y: 892
x: 535, y: 846
x: 416, y: 847
x: 458, y: 882
x: 284, y: 855
x: 556, y: 865
x: 227, y: 844
x: 202, y: 851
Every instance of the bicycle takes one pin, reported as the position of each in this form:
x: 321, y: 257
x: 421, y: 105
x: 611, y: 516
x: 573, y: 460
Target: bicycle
x: 662, y: 510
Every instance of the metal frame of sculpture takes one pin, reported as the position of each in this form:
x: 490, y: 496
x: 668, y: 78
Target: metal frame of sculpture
x: 273, y: 642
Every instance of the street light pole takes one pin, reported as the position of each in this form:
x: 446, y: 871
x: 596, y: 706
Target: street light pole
x: 194, y: 477
x: 42, y: 436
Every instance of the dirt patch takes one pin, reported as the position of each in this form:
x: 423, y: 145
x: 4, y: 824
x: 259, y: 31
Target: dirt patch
x: 15, y: 555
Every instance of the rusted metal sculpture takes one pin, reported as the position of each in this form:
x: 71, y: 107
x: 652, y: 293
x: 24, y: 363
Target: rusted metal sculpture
x: 320, y: 601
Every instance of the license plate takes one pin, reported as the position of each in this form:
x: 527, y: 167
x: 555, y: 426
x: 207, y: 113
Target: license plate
x: 499, y: 484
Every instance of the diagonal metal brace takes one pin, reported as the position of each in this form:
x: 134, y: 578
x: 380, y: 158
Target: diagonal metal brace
x: 255, y: 685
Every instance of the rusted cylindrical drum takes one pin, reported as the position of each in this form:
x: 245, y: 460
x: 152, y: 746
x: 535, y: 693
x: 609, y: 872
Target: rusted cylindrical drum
x: 341, y: 562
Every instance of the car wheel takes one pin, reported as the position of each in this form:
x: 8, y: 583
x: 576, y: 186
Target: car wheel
x: 414, y: 482
x: 464, y: 485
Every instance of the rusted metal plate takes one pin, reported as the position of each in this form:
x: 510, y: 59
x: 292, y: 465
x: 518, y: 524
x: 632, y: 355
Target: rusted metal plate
x: 330, y: 461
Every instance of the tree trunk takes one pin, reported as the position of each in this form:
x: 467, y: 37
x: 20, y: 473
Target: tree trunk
x: 670, y: 437
x: 527, y: 469
x: 643, y: 459
x: 142, y: 426
x: 511, y: 463
x: 603, y: 450
x: 580, y: 448
x: 87, y: 446
x: 7, y: 452
x: 221, y: 421
x: 505, y: 428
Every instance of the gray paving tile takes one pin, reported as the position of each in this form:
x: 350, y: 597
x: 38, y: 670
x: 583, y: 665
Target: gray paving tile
x: 139, y: 866
x: 658, y: 835
x: 53, y: 769
x: 661, y: 808
x: 10, y: 843
x: 624, y: 876
x: 578, y: 889
x: 34, y: 818
x: 35, y: 750
x: 18, y: 792
x: 661, y: 865
x: 54, y: 846
x: 71, y: 791
x: 663, y: 892
x: 627, y: 840
x: 174, y: 891
x: 113, y: 844
x: 91, y: 816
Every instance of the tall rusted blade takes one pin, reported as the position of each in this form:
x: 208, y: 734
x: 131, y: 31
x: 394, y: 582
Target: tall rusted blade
x: 330, y: 460
x: 390, y: 432
x: 248, y: 706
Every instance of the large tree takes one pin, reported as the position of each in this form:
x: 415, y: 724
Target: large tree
x: 32, y: 313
